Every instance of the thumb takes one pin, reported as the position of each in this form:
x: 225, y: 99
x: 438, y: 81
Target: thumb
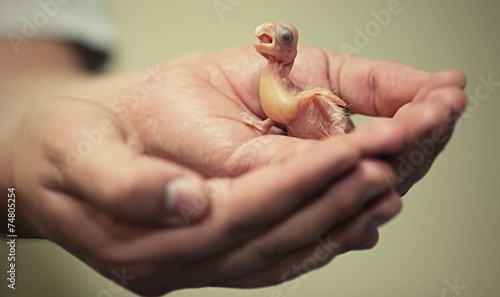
x: 137, y: 188
x: 115, y: 176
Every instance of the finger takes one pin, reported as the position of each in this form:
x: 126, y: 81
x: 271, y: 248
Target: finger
x: 344, y: 200
x: 429, y: 118
x: 444, y: 80
x: 247, y: 205
x: 441, y: 107
x: 441, y: 79
x: 437, y: 117
x: 137, y: 188
x: 285, y: 184
x: 380, y: 138
x: 106, y: 167
x: 372, y: 87
x: 360, y: 231
x: 443, y: 92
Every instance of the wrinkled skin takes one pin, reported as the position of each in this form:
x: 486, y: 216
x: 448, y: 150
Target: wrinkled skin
x: 210, y: 92
x: 193, y: 118
x: 270, y: 198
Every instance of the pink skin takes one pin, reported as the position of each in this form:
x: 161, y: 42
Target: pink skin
x: 314, y: 113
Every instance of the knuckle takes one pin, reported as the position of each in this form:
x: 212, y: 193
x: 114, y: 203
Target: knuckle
x: 374, y: 171
x: 376, y: 175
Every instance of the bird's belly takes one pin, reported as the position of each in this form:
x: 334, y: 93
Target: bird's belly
x: 278, y: 103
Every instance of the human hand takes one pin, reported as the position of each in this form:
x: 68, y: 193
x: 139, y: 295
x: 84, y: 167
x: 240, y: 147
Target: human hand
x: 108, y: 205
x: 67, y: 154
x: 419, y: 130
x: 197, y: 109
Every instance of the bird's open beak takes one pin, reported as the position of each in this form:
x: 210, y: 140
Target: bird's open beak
x: 266, y: 42
x: 265, y: 38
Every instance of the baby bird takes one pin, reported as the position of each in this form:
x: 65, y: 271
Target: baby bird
x: 313, y: 113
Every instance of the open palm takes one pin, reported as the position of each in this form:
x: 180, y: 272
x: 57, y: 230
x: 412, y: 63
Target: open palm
x: 193, y: 117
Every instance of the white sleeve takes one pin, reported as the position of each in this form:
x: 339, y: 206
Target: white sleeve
x: 84, y: 22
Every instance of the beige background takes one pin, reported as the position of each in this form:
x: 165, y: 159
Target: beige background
x: 449, y: 228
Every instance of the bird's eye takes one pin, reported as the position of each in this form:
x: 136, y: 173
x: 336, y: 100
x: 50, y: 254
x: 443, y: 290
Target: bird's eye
x: 285, y: 35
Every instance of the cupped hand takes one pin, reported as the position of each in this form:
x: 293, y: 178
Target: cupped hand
x: 193, y: 115
x: 85, y: 181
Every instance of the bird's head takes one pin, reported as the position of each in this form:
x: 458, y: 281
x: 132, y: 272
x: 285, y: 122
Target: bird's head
x: 277, y: 41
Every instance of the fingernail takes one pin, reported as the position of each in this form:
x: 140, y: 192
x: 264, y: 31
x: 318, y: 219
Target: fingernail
x: 184, y: 201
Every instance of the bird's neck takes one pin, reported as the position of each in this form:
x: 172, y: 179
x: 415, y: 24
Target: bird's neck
x: 280, y: 71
